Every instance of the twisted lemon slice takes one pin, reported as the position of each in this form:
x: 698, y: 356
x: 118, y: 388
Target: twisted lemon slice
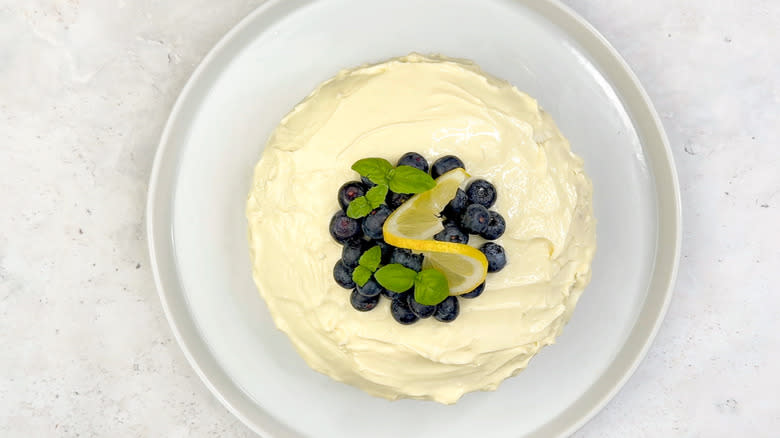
x: 414, y: 223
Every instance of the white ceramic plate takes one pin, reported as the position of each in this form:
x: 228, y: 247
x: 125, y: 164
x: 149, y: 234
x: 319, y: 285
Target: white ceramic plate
x: 272, y: 60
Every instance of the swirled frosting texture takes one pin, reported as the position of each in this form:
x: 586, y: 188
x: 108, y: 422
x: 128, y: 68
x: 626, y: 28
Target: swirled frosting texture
x: 435, y: 106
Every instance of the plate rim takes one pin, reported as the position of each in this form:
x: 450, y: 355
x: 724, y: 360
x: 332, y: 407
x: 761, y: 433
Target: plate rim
x: 669, y: 230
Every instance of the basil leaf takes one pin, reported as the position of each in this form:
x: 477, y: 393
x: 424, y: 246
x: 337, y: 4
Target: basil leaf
x: 359, y: 207
x: 371, y: 258
x: 361, y: 275
x: 375, y: 169
x: 376, y: 195
x: 430, y: 287
x: 407, y: 179
x: 396, y: 277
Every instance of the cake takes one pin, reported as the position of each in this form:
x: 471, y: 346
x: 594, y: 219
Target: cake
x: 438, y: 107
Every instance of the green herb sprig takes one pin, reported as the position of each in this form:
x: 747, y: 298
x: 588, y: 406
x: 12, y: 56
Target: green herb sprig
x: 367, y: 265
x: 430, y: 285
x: 362, y: 205
x: 401, y: 179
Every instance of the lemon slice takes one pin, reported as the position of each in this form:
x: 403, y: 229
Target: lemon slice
x: 464, y: 269
x: 414, y: 223
x: 418, y: 218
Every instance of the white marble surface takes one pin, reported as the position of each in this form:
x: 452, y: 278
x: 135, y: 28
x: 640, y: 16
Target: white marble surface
x: 85, y: 86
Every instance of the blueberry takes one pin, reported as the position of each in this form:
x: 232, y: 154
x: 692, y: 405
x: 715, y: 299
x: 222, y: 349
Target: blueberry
x: 352, y: 251
x: 343, y: 227
x: 367, y: 182
x: 496, y: 256
x: 481, y: 192
x: 394, y: 200
x: 407, y: 259
x: 349, y: 191
x: 476, y: 292
x: 415, y: 160
x: 495, y: 228
x: 370, y: 289
x: 361, y: 302
x: 474, y: 220
x: 343, y: 275
x: 451, y: 233
x: 401, y: 311
x: 387, y: 250
x: 447, y: 310
x: 372, y: 224
x: 445, y: 164
x: 457, y: 205
x: 421, y: 310
x: 447, y: 222
x: 391, y: 295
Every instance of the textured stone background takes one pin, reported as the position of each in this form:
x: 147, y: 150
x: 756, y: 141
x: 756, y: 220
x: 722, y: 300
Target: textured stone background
x: 85, y: 86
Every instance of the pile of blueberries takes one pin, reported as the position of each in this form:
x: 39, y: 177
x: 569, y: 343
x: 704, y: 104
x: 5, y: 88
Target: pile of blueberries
x: 467, y: 214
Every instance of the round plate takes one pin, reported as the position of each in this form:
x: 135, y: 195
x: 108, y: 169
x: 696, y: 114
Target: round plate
x: 272, y: 60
